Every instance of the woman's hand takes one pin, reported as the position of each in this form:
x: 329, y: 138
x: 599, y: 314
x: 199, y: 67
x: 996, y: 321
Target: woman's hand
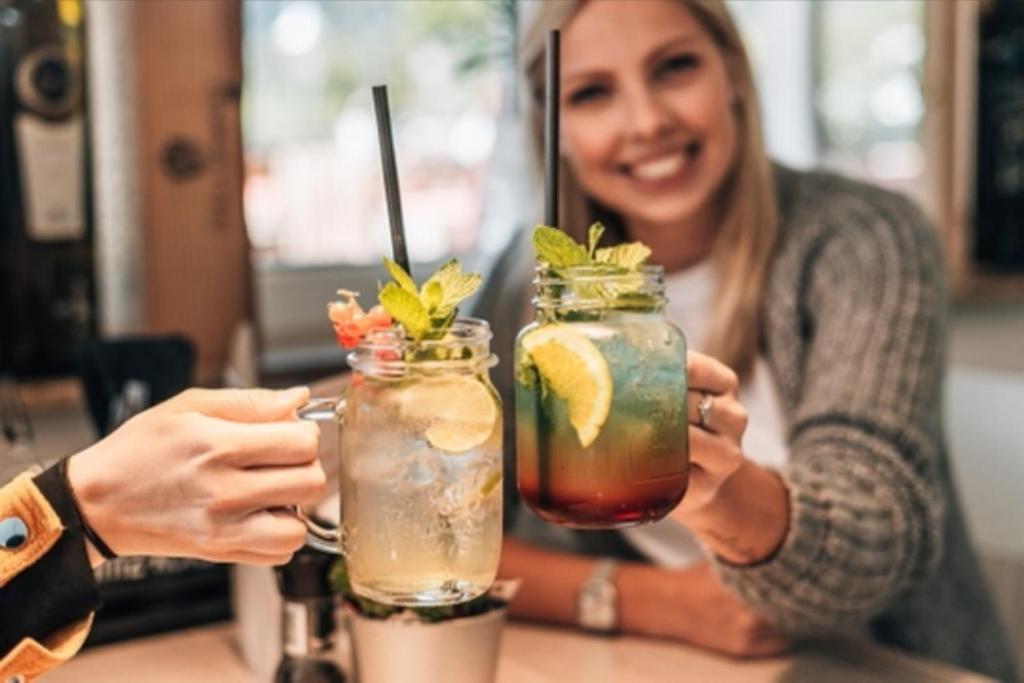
x: 715, y: 446
x: 737, y: 508
x: 691, y: 605
x: 688, y: 604
x: 207, y: 474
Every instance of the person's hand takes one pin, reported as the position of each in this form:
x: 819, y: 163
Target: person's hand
x: 206, y: 474
x: 739, y: 509
x: 691, y: 605
x: 715, y: 445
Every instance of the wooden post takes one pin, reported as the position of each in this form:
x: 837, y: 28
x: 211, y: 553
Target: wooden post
x: 196, y: 272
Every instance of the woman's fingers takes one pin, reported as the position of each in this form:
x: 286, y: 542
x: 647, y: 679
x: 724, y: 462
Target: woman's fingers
x: 272, y: 487
x: 717, y: 455
x: 763, y: 644
x: 726, y: 415
x: 705, y: 373
x: 268, y: 444
x: 270, y: 532
x: 242, y: 405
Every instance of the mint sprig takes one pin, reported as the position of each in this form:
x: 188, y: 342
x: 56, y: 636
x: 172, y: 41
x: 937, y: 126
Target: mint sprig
x: 630, y: 256
x: 427, y: 312
x: 558, y: 251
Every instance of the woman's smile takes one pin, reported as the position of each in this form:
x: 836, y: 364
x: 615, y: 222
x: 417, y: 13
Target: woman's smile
x: 648, y: 115
x: 662, y: 170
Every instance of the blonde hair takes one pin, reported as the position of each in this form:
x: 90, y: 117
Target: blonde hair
x: 746, y: 239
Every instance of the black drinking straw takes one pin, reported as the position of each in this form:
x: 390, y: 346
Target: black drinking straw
x: 552, y: 76
x: 551, y: 112
x: 390, y: 168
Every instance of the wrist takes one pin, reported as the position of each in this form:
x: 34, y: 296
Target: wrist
x: 650, y: 599
x: 749, y: 518
x: 89, y: 493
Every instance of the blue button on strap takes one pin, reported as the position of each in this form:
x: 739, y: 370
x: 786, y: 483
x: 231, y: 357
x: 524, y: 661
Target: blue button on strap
x: 13, y: 533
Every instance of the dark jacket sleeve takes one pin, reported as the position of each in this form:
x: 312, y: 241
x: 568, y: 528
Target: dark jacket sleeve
x: 46, y: 583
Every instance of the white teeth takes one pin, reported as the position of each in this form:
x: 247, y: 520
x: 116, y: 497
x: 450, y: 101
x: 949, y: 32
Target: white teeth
x: 659, y: 169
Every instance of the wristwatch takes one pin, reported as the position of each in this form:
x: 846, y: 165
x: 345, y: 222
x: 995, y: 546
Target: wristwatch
x: 597, y: 601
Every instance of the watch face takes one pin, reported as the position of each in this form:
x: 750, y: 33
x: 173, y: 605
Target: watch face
x: 597, y: 607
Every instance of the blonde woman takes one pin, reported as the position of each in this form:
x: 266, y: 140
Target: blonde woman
x: 820, y: 499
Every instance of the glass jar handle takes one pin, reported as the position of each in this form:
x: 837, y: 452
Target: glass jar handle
x: 323, y: 538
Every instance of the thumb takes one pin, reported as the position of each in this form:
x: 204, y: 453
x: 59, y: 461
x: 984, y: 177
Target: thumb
x: 244, y: 405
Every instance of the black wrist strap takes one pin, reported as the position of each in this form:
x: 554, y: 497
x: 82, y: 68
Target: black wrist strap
x: 104, y: 549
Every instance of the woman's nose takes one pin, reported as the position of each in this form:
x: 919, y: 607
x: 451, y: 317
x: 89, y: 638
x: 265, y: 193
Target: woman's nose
x: 647, y: 117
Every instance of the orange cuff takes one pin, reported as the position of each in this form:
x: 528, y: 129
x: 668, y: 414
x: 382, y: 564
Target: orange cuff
x: 31, y: 659
x: 22, y: 499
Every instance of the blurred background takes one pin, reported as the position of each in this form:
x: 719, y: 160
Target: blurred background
x: 184, y: 184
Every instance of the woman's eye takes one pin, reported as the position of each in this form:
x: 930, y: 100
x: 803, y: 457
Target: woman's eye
x: 677, y: 64
x: 587, y: 93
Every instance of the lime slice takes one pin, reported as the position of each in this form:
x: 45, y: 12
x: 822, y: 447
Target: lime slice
x: 460, y: 411
x: 577, y: 372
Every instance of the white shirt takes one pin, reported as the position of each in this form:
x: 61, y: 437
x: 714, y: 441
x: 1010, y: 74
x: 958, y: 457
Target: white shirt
x: 667, y: 542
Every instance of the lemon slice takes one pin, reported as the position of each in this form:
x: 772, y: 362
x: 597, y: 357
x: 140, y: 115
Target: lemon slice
x: 460, y: 411
x: 577, y: 372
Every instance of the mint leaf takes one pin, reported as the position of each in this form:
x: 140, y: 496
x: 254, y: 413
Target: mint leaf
x: 593, y: 237
x: 431, y: 295
x: 557, y: 249
x: 439, y: 325
x: 429, y: 311
x: 455, y: 286
x: 399, y: 275
x: 406, y: 309
x: 629, y: 256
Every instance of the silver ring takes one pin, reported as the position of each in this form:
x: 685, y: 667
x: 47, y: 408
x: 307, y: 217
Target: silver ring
x: 704, y: 411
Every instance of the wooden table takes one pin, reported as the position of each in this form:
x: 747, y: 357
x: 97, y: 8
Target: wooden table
x: 529, y: 654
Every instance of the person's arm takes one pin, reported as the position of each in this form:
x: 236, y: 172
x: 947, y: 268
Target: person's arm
x: 683, y: 604
x: 204, y: 475
x: 865, y: 510
x: 47, y: 589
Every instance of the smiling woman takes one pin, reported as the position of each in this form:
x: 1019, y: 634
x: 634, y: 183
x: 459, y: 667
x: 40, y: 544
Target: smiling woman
x: 651, y: 129
x: 819, y: 499
x: 648, y: 127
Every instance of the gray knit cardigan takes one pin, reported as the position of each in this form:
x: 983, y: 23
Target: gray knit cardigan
x: 854, y: 332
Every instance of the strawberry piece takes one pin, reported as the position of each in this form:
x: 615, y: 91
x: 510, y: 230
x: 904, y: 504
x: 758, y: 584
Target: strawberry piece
x: 378, y: 318
x: 361, y: 323
x: 340, y: 312
x: 386, y: 354
x: 349, y: 321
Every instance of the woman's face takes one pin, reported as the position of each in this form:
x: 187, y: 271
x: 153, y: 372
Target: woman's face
x: 647, y: 117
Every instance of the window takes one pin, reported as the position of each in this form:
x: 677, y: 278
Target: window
x: 313, y: 190
x: 840, y: 84
x: 868, y: 98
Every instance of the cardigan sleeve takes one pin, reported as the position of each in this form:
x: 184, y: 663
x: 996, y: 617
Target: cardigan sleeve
x: 48, y: 592
x: 866, y: 507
